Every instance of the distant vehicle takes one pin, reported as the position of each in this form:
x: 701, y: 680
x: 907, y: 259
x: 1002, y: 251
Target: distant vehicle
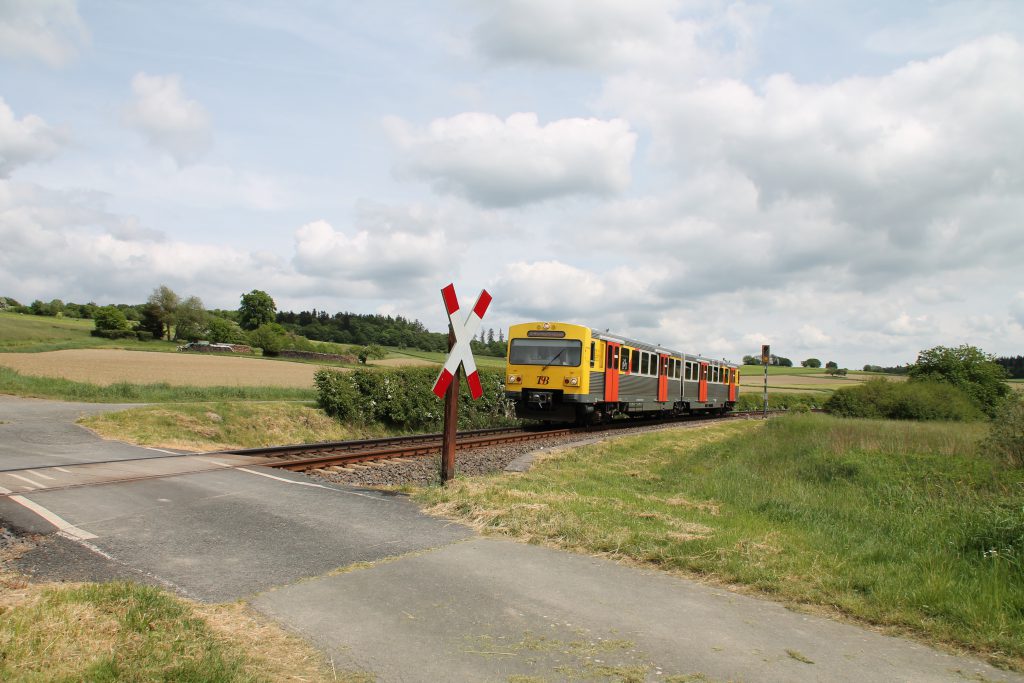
x: 560, y: 372
x: 205, y: 346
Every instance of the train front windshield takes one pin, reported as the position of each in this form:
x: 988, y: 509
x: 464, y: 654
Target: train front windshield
x: 566, y: 352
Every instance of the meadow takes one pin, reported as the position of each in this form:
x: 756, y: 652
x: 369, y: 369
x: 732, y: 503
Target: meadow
x: 903, y: 525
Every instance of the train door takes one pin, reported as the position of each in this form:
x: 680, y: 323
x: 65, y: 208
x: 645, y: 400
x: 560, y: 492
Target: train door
x: 611, y: 372
x: 734, y: 380
x: 702, y: 386
x: 662, y: 377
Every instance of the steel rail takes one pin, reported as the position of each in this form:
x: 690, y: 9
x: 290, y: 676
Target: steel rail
x: 430, y: 444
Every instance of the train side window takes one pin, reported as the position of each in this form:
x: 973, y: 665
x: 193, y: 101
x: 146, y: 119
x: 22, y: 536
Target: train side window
x: 634, y: 361
x: 643, y: 363
x: 593, y: 347
x: 676, y: 373
x: 688, y: 371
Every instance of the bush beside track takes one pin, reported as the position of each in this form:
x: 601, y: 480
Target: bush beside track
x: 403, y: 398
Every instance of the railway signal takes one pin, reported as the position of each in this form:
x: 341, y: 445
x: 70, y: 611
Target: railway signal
x: 460, y: 355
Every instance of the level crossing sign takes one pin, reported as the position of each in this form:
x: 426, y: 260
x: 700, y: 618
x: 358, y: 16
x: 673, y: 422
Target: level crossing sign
x: 464, y: 330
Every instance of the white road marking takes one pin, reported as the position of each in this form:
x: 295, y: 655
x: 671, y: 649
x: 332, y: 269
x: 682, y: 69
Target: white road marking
x: 61, y: 469
x: 162, y: 450
x: 306, y: 483
x: 34, y: 484
x: 3, y: 491
x: 215, y: 462
x: 66, y: 527
x: 39, y: 474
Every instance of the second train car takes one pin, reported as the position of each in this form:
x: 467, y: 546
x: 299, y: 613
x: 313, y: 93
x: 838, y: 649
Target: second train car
x: 562, y: 372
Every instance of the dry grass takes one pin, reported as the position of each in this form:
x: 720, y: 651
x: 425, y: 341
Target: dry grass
x: 222, y: 425
x: 110, y: 366
x: 81, y: 631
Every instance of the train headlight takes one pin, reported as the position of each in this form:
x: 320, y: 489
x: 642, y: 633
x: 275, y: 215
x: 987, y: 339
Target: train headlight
x: 572, y: 381
x: 515, y: 379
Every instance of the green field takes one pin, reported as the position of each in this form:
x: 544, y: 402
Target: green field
x: 905, y: 525
x: 34, y: 334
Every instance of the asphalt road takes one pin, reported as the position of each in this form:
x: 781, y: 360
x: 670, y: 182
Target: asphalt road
x: 446, y: 604
x: 38, y: 433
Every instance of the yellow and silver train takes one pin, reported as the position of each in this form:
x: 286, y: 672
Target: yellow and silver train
x: 561, y: 372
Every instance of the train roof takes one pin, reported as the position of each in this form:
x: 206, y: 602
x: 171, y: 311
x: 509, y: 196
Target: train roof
x: 636, y: 343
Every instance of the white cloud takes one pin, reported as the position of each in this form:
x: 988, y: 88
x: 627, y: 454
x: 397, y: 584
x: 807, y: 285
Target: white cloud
x: 168, y: 119
x: 390, y: 261
x: 609, y: 35
x: 24, y: 141
x: 495, y: 162
x: 48, y: 30
x: 1017, y: 308
x: 874, y: 179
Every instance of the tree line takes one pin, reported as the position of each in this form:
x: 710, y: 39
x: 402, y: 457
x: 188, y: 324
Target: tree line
x: 168, y: 315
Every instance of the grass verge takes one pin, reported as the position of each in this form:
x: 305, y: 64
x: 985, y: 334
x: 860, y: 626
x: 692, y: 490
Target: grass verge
x: 12, y: 382
x: 123, y: 631
x: 893, y: 523
x: 224, y: 425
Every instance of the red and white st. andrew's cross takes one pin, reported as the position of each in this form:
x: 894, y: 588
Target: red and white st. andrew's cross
x: 464, y: 332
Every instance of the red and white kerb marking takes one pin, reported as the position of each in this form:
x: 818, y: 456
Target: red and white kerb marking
x: 461, y: 352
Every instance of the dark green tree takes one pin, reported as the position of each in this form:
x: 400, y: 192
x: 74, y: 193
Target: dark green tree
x: 258, y: 308
x: 969, y: 369
x: 222, y: 331
x: 832, y: 365
x: 190, y: 320
x: 163, y: 303
x: 811, y: 363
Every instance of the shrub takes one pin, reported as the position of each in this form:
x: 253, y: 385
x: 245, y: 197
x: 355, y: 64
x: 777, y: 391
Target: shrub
x: 144, y: 335
x: 969, y: 369
x: 270, y: 337
x: 403, y: 398
x: 1006, y: 436
x: 113, y: 334
x: 879, y: 398
x: 110, y: 318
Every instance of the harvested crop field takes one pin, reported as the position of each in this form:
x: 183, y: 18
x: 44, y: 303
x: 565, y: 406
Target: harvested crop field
x: 808, y: 383
x: 109, y: 366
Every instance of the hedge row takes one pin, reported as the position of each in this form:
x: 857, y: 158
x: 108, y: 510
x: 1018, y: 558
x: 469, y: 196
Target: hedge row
x: 751, y: 400
x: 879, y: 398
x: 403, y: 399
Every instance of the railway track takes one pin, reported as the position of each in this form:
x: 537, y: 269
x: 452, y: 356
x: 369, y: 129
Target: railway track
x: 304, y: 457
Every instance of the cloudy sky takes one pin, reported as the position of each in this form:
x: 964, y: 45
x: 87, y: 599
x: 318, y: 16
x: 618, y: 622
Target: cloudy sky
x: 843, y: 179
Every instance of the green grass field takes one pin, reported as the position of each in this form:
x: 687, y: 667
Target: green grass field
x: 904, y: 525
x: 35, y: 334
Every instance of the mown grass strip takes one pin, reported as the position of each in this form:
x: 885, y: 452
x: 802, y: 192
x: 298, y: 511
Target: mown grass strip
x: 895, y: 523
x: 12, y: 382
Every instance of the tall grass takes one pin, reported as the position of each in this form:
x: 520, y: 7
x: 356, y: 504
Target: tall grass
x: 12, y: 382
x: 897, y: 523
